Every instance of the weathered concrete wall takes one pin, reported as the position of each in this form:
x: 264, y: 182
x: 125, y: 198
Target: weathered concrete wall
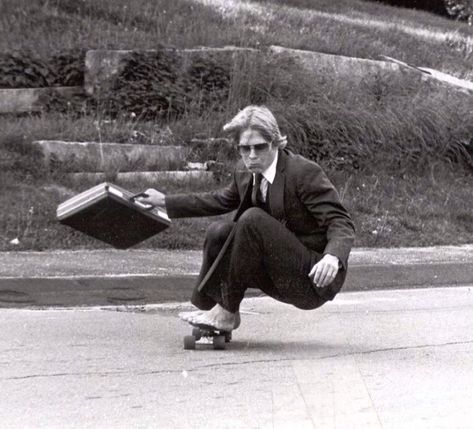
x: 154, y: 178
x: 92, y: 156
x: 27, y: 100
x: 103, y: 67
x: 447, y: 79
x: 335, y: 66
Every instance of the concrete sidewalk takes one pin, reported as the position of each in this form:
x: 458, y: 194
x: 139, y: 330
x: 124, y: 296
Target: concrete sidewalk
x: 378, y: 359
x: 100, y: 277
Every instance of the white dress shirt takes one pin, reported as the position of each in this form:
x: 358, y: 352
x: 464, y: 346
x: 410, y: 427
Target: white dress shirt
x: 268, y: 177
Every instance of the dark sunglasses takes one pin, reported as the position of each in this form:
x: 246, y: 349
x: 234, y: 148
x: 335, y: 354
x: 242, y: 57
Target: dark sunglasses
x: 258, y: 148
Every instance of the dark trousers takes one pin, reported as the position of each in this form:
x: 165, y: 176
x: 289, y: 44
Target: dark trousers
x: 263, y: 254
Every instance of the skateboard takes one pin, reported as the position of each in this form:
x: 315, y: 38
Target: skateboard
x: 212, y: 336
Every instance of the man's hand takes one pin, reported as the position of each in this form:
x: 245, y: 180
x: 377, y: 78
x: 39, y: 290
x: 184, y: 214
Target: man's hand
x: 153, y: 198
x: 324, y: 271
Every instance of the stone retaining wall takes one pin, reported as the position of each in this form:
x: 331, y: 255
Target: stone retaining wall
x: 335, y: 66
x: 153, y: 178
x: 94, y: 156
x: 28, y: 99
x: 103, y: 67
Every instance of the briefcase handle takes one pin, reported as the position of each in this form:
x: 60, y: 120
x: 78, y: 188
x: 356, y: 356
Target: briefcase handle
x: 139, y: 194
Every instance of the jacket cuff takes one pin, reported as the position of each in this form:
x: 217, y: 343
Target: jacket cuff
x: 340, y: 251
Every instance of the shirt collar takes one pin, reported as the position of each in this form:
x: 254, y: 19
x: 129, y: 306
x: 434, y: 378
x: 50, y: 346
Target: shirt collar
x: 270, y: 173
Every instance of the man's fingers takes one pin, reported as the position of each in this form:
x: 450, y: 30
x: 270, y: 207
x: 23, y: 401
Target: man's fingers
x: 317, y: 274
x: 323, y: 273
x: 320, y: 274
x: 312, y: 271
x: 329, y: 277
x: 323, y: 276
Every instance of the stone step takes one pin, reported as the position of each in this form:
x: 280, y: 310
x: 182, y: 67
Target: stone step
x: 28, y: 100
x: 96, y: 157
x: 153, y: 178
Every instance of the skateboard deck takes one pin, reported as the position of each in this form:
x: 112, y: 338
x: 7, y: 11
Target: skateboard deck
x: 204, y: 334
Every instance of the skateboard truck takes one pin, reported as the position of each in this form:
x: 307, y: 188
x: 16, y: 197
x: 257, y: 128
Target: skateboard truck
x: 219, y: 338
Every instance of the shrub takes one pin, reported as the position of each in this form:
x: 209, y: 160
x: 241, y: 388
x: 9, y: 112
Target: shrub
x: 25, y: 70
x: 462, y: 10
x: 434, y: 6
x: 160, y: 85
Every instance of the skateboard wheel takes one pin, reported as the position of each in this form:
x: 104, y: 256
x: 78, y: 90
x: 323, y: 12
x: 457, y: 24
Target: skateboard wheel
x: 189, y: 342
x: 219, y: 342
x: 228, y: 337
x: 197, y: 333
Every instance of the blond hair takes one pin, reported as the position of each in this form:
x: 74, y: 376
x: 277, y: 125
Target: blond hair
x: 258, y: 118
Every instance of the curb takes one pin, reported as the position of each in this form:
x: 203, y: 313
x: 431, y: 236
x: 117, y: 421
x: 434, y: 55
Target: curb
x: 100, y: 290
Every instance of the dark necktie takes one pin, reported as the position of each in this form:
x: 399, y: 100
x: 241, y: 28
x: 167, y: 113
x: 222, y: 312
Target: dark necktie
x: 255, y: 193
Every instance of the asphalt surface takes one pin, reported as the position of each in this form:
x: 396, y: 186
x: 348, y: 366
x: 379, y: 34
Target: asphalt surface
x: 110, y: 277
x: 90, y: 339
x: 377, y: 359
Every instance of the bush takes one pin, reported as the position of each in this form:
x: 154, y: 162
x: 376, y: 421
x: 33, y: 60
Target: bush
x: 462, y: 10
x: 160, y: 85
x: 25, y: 70
x: 434, y: 6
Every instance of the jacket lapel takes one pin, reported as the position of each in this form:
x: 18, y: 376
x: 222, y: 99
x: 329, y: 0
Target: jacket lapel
x: 246, y: 200
x: 276, y: 193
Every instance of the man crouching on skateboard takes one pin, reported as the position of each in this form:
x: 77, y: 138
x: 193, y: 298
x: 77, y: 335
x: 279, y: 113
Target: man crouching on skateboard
x: 290, y: 237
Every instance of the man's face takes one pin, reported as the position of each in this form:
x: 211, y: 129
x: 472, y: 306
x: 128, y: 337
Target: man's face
x: 256, y: 152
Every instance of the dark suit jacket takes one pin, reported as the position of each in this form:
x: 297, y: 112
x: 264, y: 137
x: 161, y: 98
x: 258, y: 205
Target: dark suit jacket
x: 301, y: 197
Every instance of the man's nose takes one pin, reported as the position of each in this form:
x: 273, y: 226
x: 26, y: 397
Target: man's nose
x: 253, y: 152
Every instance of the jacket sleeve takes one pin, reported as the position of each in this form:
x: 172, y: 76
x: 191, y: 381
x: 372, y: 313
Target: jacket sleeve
x: 203, y: 204
x: 321, y: 199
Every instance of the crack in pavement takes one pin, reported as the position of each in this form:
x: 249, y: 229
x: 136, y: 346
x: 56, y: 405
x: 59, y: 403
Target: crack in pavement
x: 226, y: 364
x: 289, y: 359
x: 422, y: 346
x: 63, y: 374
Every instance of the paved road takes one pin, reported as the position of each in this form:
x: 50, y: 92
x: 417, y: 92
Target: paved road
x: 390, y: 359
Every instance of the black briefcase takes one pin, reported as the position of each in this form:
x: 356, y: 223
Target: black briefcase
x: 110, y: 214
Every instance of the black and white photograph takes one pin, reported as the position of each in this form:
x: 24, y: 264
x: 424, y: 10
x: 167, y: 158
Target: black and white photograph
x: 236, y: 214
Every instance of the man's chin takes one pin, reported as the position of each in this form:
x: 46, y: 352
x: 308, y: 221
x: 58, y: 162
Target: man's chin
x: 255, y: 168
